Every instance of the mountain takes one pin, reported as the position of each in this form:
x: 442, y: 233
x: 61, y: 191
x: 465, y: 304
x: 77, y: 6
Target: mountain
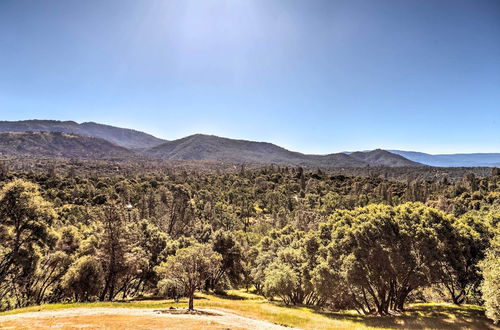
x: 214, y: 148
x: 379, y: 157
x: 452, y: 160
x: 124, y: 137
x: 54, y: 144
x: 93, y: 140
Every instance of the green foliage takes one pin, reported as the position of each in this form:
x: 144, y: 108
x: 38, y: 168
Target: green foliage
x: 25, y: 219
x: 280, y: 280
x: 171, y: 289
x: 46, y: 280
x: 84, y: 279
x: 464, y: 247
x: 491, y: 284
x: 286, y: 251
x: 151, y: 243
x: 114, y: 250
x: 232, y: 267
x: 69, y: 240
x: 381, y: 254
x: 191, y: 267
x: 304, y: 237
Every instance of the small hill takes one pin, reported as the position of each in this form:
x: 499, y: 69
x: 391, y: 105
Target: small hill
x: 214, y: 148
x: 209, y: 147
x: 124, y: 137
x: 379, y: 157
x: 54, y: 144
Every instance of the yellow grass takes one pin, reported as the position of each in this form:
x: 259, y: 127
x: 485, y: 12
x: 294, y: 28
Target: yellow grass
x: 421, y: 316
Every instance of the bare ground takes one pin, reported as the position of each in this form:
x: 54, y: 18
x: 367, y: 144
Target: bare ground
x: 132, y: 318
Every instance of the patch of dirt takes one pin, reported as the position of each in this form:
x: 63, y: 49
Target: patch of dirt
x: 184, y: 311
x: 135, y: 318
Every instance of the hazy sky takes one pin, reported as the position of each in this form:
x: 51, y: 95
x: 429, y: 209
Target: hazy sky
x: 312, y: 76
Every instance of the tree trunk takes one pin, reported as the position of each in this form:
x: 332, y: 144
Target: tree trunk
x: 111, y: 291
x: 105, y: 290
x: 400, y: 301
x: 459, y: 298
x: 191, y: 299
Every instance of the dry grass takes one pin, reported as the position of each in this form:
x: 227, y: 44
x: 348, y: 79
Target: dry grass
x: 418, y: 316
x: 110, y: 322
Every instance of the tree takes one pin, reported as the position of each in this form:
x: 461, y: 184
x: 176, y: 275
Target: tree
x: 280, y: 280
x: 180, y: 210
x: 4, y: 170
x: 463, y: 248
x: 69, y: 240
x: 152, y: 242
x: 491, y: 283
x: 49, y: 273
x: 25, y: 219
x: 191, y: 267
x: 232, y: 259
x: 381, y: 254
x: 327, y: 284
x: 84, y: 278
x: 114, y: 250
x: 268, y: 249
x: 283, y: 266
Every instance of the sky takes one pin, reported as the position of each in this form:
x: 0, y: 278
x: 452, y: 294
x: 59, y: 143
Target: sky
x: 312, y: 76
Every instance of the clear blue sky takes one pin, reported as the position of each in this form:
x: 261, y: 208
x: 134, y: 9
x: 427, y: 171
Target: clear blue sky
x: 312, y: 76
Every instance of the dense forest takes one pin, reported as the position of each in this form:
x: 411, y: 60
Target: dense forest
x: 373, y: 241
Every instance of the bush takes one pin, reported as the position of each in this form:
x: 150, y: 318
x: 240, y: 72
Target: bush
x: 171, y: 289
x: 281, y: 281
x: 84, y: 278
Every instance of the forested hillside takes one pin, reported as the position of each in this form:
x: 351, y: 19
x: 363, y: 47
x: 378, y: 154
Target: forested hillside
x: 214, y: 148
x: 123, y: 137
x: 303, y: 237
x: 59, y: 145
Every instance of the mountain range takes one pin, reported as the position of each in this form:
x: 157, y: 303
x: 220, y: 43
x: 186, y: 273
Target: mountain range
x: 51, y: 138
x: 55, y: 144
x: 123, y: 137
x: 214, y: 148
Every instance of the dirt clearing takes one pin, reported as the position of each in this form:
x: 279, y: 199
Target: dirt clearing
x: 132, y: 318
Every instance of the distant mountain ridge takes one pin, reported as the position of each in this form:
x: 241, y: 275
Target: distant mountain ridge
x: 55, y: 144
x: 197, y: 147
x: 123, y: 137
x: 452, y: 160
x: 110, y: 141
x: 210, y: 147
